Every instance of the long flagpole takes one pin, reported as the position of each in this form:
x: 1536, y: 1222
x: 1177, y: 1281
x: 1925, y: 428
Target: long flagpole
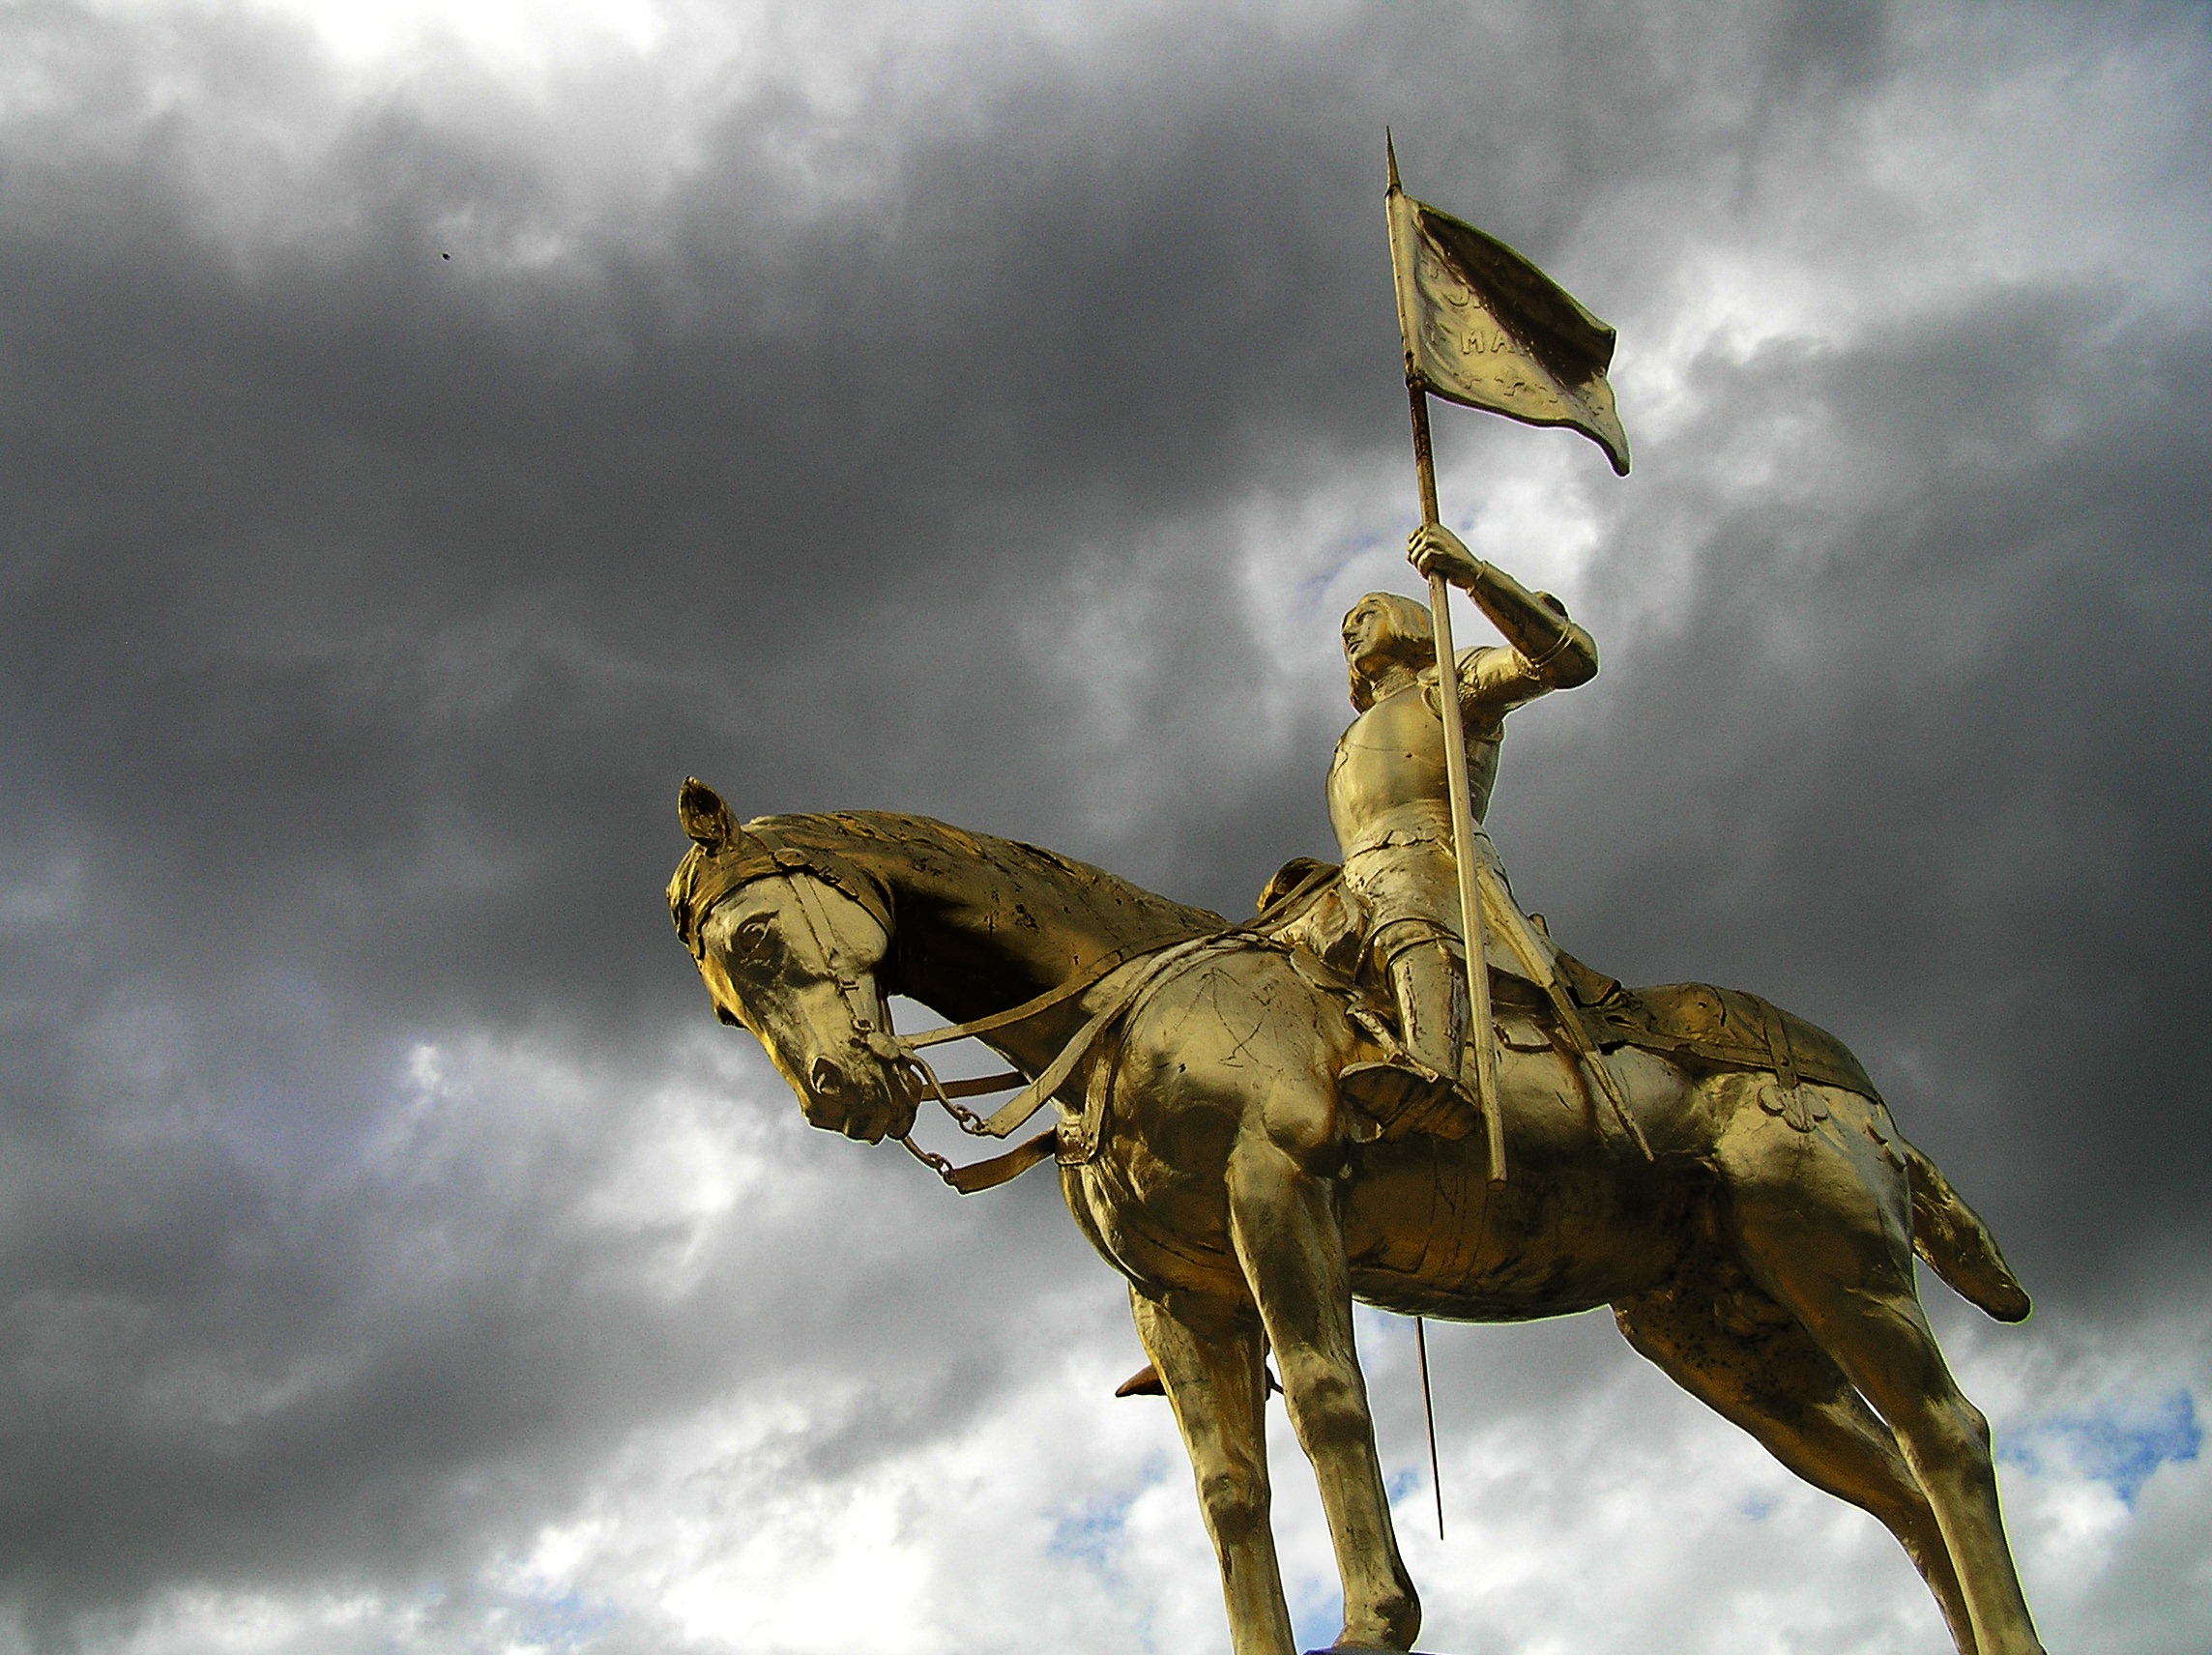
x: 1479, y: 1028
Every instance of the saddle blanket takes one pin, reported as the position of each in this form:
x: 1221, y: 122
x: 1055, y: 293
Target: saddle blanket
x: 1724, y: 1026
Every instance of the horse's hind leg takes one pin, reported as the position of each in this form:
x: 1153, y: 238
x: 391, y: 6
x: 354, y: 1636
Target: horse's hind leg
x: 1822, y: 1222
x: 1212, y: 1363
x: 1283, y: 1221
x: 1775, y: 1383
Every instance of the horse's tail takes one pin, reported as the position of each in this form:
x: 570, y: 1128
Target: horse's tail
x: 1953, y: 1243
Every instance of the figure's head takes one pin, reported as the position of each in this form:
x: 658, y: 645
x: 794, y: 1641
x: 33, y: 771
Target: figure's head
x: 1382, y: 631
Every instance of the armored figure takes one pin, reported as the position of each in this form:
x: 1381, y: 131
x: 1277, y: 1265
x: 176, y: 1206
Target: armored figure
x: 1388, y: 801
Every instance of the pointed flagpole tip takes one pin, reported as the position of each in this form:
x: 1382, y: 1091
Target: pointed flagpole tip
x: 1390, y: 156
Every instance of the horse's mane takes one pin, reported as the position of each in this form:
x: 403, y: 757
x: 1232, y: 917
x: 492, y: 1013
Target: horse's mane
x: 904, y: 849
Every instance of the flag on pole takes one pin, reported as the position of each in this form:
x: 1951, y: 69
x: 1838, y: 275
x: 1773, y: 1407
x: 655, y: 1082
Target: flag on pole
x: 1485, y: 328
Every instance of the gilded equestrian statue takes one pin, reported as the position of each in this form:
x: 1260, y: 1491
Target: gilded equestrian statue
x: 1752, y: 1217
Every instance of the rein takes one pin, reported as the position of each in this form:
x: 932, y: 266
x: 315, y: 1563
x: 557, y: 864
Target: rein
x: 1153, y: 962
x: 700, y: 885
x: 1156, y: 961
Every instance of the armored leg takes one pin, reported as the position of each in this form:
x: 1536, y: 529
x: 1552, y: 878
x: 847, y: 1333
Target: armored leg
x: 1428, y: 986
x: 1422, y: 1095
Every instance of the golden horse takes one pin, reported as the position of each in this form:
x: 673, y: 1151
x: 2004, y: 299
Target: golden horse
x: 1762, y: 1260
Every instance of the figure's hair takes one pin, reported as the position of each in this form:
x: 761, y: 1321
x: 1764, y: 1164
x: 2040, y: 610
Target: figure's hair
x: 1407, y: 639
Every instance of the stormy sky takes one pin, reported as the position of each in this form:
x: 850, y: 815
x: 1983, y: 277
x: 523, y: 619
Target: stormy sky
x: 427, y: 432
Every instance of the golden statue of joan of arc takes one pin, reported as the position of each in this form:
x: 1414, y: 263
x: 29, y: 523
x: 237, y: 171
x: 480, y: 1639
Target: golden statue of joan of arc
x: 1391, y: 803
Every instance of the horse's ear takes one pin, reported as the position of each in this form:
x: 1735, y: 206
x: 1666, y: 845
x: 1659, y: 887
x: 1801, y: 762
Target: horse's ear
x: 704, y: 817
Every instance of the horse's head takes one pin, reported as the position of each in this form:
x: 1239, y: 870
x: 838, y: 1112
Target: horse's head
x: 791, y: 953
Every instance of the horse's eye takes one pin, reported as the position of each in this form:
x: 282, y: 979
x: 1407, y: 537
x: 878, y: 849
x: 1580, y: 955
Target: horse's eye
x: 752, y: 933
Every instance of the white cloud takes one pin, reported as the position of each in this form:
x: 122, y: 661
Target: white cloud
x: 1616, y: 1516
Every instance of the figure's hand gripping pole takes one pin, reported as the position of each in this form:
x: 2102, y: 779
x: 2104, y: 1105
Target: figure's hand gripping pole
x: 1479, y: 1028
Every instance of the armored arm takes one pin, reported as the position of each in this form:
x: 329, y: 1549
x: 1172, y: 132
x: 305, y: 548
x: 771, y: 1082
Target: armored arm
x: 1548, y: 652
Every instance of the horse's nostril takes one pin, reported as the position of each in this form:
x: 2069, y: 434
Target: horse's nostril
x: 826, y: 1078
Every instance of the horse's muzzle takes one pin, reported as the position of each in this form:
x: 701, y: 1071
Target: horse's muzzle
x: 869, y: 1107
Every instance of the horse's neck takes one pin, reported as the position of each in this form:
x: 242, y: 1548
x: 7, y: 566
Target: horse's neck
x: 984, y: 924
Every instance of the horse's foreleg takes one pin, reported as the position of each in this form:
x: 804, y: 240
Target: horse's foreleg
x: 1283, y: 1219
x: 1212, y: 1363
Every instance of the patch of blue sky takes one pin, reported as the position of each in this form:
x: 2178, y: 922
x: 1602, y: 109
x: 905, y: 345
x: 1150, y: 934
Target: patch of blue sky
x: 1377, y: 1330
x: 1402, y: 1483
x: 1313, y: 590
x: 2120, y: 1444
x: 567, y: 1623
x: 1316, y: 1611
x: 1094, y: 1532
x: 1759, y: 1507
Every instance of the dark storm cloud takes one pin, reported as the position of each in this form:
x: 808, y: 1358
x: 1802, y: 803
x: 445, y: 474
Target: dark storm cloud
x: 367, y: 591
x: 364, y: 605
x: 439, y: 544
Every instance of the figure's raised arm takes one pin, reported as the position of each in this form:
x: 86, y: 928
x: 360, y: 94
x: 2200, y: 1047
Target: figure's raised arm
x: 1549, y: 650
